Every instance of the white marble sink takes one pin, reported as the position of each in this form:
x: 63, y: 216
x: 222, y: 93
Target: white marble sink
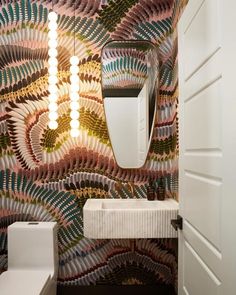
x: 129, y: 218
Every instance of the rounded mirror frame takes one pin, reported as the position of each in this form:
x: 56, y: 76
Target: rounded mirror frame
x: 130, y: 88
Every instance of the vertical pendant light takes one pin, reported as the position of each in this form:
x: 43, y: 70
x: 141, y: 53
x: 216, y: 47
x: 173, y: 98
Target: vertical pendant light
x: 52, y: 70
x: 74, y: 91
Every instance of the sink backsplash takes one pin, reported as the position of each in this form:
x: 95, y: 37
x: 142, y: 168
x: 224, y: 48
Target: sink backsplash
x: 45, y: 174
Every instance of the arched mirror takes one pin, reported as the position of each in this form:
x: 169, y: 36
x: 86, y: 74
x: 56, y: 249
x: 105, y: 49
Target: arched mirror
x: 130, y: 79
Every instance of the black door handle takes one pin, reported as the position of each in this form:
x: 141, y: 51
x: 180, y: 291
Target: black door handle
x: 177, y: 223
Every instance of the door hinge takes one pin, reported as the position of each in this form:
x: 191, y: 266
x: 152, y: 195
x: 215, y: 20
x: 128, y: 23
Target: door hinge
x: 177, y: 223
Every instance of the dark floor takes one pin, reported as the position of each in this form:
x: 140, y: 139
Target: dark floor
x: 116, y: 290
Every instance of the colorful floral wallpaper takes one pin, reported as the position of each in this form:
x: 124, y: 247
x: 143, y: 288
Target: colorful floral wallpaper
x: 46, y: 175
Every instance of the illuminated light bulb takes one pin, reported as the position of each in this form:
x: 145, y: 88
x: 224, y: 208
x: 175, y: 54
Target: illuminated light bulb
x: 52, y: 52
x: 74, y: 60
x: 74, y: 132
x: 52, y: 26
x: 52, y: 35
x: 74, y: 105
x: 53, y: 116
x: 74, y: 87
x: 53, y: 124
x: 52, y: 79
x: 74, y: 79
x: 52, y: 71
x: 52, y: 88
x: 74, y: 96
x: 52, y: 107
x: 74, y: 124
x: 53, y: 97
x: 74, y: 115
x: 52, y: 43
x: 74, y: 69
x: 52, y: 61
x: 52, y: 16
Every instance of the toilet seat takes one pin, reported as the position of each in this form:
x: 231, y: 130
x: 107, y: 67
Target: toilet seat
x: 32, y: 259
x: 22, y: 282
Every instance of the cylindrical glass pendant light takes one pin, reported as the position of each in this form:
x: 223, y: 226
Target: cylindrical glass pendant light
x: 52, y: 70
x: 74, y: 91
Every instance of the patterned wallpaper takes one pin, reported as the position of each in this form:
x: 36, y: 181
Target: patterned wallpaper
x: 45, y: 174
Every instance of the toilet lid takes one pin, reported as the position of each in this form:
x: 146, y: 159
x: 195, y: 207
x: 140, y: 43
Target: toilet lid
x: 23, y: 282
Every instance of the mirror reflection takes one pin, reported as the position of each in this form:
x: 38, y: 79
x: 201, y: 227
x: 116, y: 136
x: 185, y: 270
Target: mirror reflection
x: 130, y: 78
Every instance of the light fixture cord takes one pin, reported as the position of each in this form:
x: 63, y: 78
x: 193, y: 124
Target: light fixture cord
x: 74, y: 27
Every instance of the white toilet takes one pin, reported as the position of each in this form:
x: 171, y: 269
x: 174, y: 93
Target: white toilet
x: 32, y: 259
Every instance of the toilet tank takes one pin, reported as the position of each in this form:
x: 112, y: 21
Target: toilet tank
x: 33, y: 246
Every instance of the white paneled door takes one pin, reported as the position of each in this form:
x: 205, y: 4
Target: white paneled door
x: 207, y: 113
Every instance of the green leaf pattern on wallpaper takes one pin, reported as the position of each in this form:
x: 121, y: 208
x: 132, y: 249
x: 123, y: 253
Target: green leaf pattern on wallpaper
x: 45, y: 174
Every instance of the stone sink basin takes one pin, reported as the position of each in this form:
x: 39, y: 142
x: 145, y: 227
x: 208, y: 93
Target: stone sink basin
x: 129, y: 218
